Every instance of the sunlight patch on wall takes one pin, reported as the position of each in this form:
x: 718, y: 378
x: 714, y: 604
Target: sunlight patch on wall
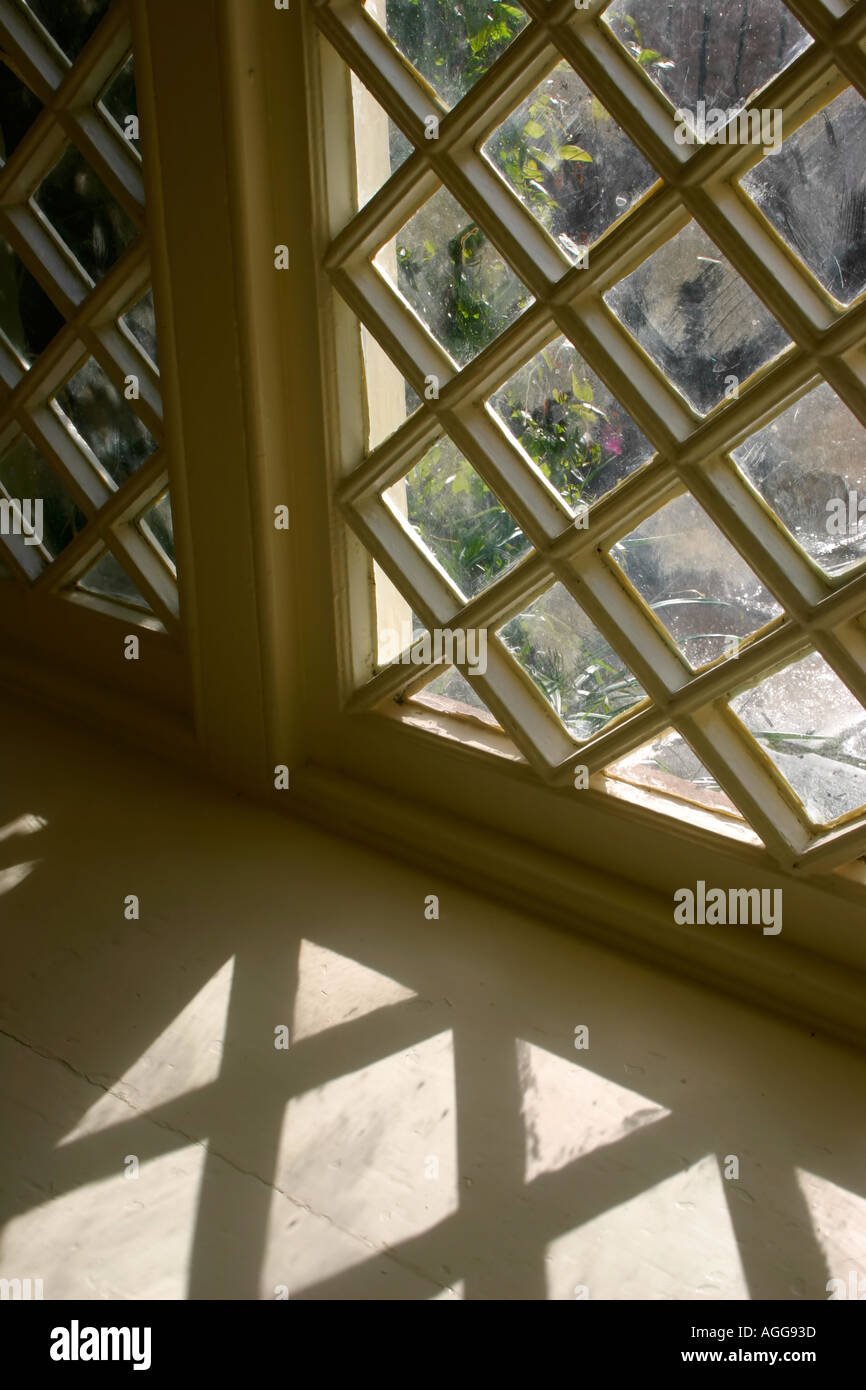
x: 115, y: 1238
x: 569, y: 1111
x: 678, y: 1234
x: 334, y: 989
x: 376, y: 1147
x: 22, y: 825
x: 839, y: 1223
x: 186, y: 1056
x: 309, y: 1259
x: 11, y: 877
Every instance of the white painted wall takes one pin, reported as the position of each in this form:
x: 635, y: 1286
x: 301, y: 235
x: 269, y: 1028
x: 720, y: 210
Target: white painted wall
x: 432, y: 1132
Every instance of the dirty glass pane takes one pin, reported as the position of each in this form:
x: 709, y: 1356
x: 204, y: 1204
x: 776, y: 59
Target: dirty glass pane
x: 574, y: 667
x: 380, y: 145
x: 451, y: 43
x: 695, y: 582
x: 140, y: 320
x: 809, y: 464
x: 568, y: 161
x: 570, y: 425
x: 454, y: 686
x: 24, y: 475
x: 696, y: 318
x: 70, y: 22
x: 84, y: 215
x: 109, y: 579
x: 390, y: 398
x: 453, y: 277
x: 718, y: 51
x: 120, y: 101
x: 28, y: 318
x: 18, y: 110
x: 397, y: 630
x: 456, y: 517
x: 813, y: 729
x: 158, y: 526
x: 668, y: 764
x: 100, y: 415
x: 812, y: 192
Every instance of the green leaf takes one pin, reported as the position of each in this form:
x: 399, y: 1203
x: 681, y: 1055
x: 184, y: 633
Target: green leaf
x: 534, y: 129
x: 582, y: 391
x: 546, y: 159
x: 489, y: 34
x: 649, y: 55
x: 575, y: 153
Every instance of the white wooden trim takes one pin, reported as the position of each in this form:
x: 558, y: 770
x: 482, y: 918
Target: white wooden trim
x: 692, y: 450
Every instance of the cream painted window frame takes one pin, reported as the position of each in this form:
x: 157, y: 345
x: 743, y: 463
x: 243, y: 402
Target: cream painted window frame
x: 697, y: 183
x: 69, y: 95
x: 246, y: 114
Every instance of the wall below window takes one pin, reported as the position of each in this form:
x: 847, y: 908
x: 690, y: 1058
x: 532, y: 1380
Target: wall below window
x: 430, y: 1132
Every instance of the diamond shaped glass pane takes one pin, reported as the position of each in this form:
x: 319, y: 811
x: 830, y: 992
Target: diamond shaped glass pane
x: 108, y: 579
x: 695, y: 582
x: 813, y: 729
x: 568, y: 161
x: 82, y: 212
x: 457, y: 518
x: 158, y: 525
x: 18, y: 110
x: 28, y: 318
x: 390, y: 398
x: 25, y: 477
x: 380, y: 145
x: 570, y: 425
x: 812, y: 191
x: 451, y: 43
x: 121, y: 103
x: 452, y: 686
x: 668, y: 764
x: 574, y: 667
x: 71, y: 23
x: 696, y: 318
x: 102, y: 418
x: 397, y: 628
x: 721, y: 53
x: 140, y: 322
x: 810, y: 466
x: 453, y: 277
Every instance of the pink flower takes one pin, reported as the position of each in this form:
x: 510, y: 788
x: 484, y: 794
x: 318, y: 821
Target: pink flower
x: 611, y: 440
